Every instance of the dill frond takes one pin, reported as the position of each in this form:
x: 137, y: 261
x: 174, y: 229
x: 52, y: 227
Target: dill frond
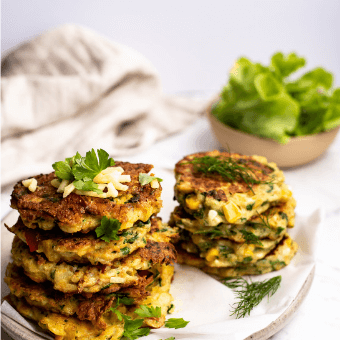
x: 249, y: 295
x: 230, y: 169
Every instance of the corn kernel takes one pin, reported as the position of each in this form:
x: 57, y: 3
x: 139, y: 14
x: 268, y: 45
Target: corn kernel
x: 184, y: 187
x: 192, y: 203
x: 248, y: 251
x: 211, y: 254
x: 231, y: 212
x: 285, y: 194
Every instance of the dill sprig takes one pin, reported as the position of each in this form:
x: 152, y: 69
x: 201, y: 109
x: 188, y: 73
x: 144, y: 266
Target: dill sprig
x: 249, y: 295
x: 264, y: 221
x: 230, y: 169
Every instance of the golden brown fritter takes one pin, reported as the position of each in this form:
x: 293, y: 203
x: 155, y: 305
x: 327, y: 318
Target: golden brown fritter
x: 270, y: 224
x: 77, y: 278
x: 212, y: 182
x: 44, y: 296
x: 89, y: 307
x: 82, y: 248
x: 87, y: 248
x: 65, y: 327
x: 46, y: 209
x: 226, y: 253
x: 233, y: 202
x: 278, y: 258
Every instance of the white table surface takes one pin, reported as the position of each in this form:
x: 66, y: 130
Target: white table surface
x: 314, y: 185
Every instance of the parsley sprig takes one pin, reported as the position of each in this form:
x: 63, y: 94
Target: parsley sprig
x: 230, y: 169
x: 132, y: 327
x: 82, y: 170
x: 249, y: 295
x: 108, y: 229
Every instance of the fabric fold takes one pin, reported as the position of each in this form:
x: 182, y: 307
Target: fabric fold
x: 71, y: 90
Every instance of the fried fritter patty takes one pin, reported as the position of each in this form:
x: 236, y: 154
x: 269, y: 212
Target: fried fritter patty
x: 65, y: 327
x: 82, y: 248
x: 226, y: 253
x: 270, y: 224
x: 85, y: 307
x: 85, y: 248
x: 275, y: 260
x: 46, y: 209
x: 234, y: 202
x: 78, y: 278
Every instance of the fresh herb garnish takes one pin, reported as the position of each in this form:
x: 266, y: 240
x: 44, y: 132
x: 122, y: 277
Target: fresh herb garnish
x: 277, y: 264
x: 230, y: 169
x: 82, y: 170
x: 121, y: 299
x: 247, y: 259
x: 107, y: 286
x: 146, y: 179
x: 279, y: 230
x: 251, y: 238
x: 131, y: 239
x: 271, y: 187
x: 283, y: 215
x: 176, y: 323
x: 132, y: 328
x: 170, y: 308
x: 211, y: 233
x: 148, y: 312
x: 250, y: 206
x: 264, y: 221
x: 249, y: 295
x: 108, y: 229
x: 225, y: 250
x: 125, y: 250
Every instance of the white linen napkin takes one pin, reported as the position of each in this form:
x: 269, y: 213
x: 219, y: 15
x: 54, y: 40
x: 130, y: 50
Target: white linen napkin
x: 70, y: 90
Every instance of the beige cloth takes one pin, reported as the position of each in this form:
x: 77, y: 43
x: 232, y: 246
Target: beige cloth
x: 70, y: 90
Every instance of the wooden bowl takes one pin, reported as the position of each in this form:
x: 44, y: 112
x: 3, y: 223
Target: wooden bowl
x: 298, y: 151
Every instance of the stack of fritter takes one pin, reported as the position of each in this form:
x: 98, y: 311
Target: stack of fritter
x: 234, y: 213
x: 78, y: 285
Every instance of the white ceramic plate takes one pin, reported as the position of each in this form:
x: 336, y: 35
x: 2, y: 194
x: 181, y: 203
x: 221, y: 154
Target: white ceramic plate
x: 182, y: 290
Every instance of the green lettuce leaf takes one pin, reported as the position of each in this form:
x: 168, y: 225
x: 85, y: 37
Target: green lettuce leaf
x: 262, y: 100
x: 332, y: 115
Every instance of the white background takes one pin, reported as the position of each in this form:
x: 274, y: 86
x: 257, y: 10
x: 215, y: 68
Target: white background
x: 192, y: 43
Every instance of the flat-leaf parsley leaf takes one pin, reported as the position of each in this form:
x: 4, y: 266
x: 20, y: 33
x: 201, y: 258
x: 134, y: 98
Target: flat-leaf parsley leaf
x: 107, y: 231
x: 176, y: 323
x: 148, y: 312
x: 132, y: 328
